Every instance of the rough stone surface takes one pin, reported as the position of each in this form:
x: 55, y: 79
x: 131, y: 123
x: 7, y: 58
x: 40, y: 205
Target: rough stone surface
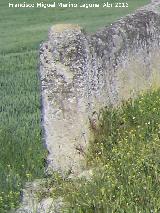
x: 83, y: 73
x: 31, y: 203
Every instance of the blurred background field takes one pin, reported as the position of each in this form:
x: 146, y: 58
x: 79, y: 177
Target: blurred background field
x: 22, y: 152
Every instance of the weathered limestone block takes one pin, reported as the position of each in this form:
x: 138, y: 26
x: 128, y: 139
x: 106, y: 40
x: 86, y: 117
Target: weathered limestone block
x: 64, y: 59
x: 82, y: 73
x: 129, y: 51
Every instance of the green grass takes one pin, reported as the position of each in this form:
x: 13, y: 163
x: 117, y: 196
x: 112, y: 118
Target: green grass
x: 124, y: 157
x: 21, y: 31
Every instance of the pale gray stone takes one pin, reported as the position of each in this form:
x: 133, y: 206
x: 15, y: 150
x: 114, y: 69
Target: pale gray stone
x: 82, y: 73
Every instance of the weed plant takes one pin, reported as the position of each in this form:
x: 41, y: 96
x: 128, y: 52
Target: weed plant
x: 124, y: 157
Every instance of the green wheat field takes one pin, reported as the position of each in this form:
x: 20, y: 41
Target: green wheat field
x: 126, y: 148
